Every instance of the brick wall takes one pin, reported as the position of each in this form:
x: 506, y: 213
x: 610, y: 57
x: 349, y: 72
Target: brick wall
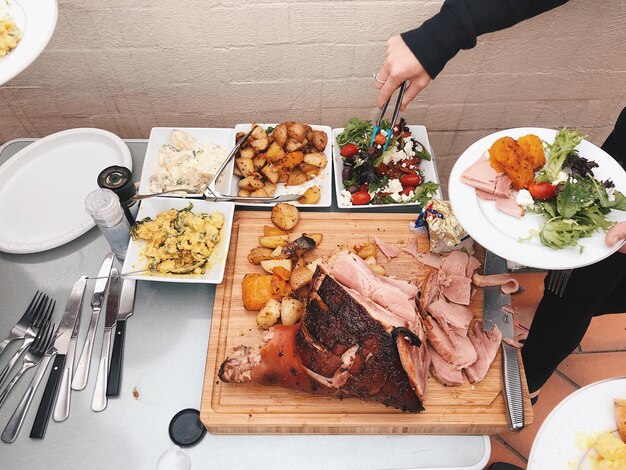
x: 129, y: 65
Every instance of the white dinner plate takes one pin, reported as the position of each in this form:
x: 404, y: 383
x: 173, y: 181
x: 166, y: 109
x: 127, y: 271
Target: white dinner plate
x: 135, y: 261
x: 160, y: 136
x: 36, y: 20
x: 429, y: 169
x: 43, y: 188
x: 502, y: 234
x: 324, y: 180
x: 587, y: 410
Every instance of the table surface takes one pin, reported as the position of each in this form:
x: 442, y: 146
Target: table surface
x: 164, y: 358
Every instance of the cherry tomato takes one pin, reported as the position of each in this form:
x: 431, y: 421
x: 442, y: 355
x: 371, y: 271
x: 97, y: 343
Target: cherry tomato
x: 406, y: 134
x: 363, y: 188
x: 380, y: 139
x: 542, y: 191
x: 407, y: 189
x: 381, y: 169
x: 411, y: 179
x: 361, y: 198
x: 395, y: 130
x: 349, y: 150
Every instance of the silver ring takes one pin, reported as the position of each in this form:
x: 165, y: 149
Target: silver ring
x: 375, y: 76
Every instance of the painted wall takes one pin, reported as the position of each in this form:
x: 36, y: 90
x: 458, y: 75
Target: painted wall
x: 129, y: 65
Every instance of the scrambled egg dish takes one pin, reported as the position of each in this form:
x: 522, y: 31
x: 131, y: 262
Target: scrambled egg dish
x: 179, y: 241
x: 9, y: 33
x: 610, y: 451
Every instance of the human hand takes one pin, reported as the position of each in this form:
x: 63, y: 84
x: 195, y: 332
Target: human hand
x: 616, y: 234
x: 400, y: 65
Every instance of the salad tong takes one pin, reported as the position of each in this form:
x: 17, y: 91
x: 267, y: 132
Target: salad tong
x: 394, y: 117
x: 212, y: 194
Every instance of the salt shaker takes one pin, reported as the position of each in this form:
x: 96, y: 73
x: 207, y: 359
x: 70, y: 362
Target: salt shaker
x: 105, y: 208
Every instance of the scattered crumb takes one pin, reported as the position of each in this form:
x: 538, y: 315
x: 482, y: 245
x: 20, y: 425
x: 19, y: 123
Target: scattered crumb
x: 135, y: 393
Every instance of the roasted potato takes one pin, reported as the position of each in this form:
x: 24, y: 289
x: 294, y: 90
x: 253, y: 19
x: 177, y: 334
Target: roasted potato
x: 271, y: 172
x: 258, y: 254
x: 258, y: 193
x: 280, y: 134
x: 256, y: 290
x: 316, y: 159
x: 296, y: 177
x: 311, y: 195
x: 275, y: 153
x: 270, y: 231
x: 292, y: 160
x: 245, y: 165
x: 317, y: 237
x: 319, y: 139
x: 257, y: 133
x: 285, y: 216
x: 274, y: 241
x: 260, y: 144
x: 300, y: 277
x: 310, y: 171
x: 379, y: 269
x: 292, y: 144
x: 291, y: 311
x: 366, y: 251
x: 269, y: 314
x: 243, y: 193
x: 312, y: 266
x: 270, y: 188
x: 270, y: 264
x: 248, y: 152
x: 297, y: 131
x: 251, y: 183
x: 259, y: 161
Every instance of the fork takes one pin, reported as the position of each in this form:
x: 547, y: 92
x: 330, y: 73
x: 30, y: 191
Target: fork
x: 42, y: 315
x: 36, y: 351
x: 557, y: 281
x: 17, y: 332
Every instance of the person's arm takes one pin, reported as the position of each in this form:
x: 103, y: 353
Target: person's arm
x: 616, y: 234
x: 420, y: 55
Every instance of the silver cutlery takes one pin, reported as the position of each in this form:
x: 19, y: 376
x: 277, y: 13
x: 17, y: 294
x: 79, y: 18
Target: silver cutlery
x: 557, y: 281
x: 35, y: 354
x: 61, y: 372
x: 14, y: 425
x: 42, y: 313
x: 99, y: 401
x: 127, y: 302
x: 97, y: 299
x: 18, y: 331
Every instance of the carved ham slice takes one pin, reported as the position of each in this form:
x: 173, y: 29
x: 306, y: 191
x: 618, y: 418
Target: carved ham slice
x: 486, y: 344
x: 459, y: 353
x: 508, y: 284
x: 442, y: 371
x: 388, y: 249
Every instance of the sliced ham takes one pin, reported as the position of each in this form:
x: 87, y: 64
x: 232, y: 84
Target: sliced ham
x: 509, y: 206
x: 455, y: 264
x: 485, y: 195
x: 388, y: 249
x: 442, y: 371
x: 430, y: 259
x: 429, y: 290
x: 481, y: 175
x: 416, y: 363
x: 459, y: 354
x: 457, y: 289
x: 486, y: 344
x: 508, y: 284
x: 503, y: 185
x: 411, y: 248
x: 455, y: 315
x: 472, y: 265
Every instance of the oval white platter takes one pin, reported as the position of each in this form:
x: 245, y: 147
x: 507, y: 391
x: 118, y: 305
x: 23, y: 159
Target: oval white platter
x: 43, y: 188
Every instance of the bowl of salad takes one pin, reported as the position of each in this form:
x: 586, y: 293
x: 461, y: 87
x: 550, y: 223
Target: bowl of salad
x: 368, y: 176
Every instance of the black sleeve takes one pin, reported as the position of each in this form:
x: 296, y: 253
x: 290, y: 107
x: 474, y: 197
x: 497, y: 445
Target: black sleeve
x: 460, y: 22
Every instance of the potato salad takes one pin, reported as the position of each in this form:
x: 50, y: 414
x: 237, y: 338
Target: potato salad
x: 9, y: 32
x: 185, y: 164
x: 179, y: 241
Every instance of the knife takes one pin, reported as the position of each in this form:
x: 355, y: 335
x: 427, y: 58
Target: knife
x: 69, y: 323
x: 127, y: 302
x: 82, y: 370
x: 99, y: 401
x: 494, y: 315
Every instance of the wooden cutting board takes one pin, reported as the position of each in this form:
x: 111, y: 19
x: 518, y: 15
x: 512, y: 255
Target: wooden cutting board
x: 250, y: 408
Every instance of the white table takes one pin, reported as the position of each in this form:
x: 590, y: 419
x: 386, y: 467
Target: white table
x: 165, y: 351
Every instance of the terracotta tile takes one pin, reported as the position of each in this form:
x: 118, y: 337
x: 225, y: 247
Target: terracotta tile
x: 501, y: 453
x: 587, y: 368
x: 526, y: 302
x: 606, y: 333
x: 552, y: 393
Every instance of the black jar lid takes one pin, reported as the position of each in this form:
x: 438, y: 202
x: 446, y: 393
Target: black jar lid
x: 118, y: 179
x: 186, y: 429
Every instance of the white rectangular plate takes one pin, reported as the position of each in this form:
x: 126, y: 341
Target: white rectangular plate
x: 217, y: 261
x: 160, y: 136
x: 429, y: 169
x: 323, y: 180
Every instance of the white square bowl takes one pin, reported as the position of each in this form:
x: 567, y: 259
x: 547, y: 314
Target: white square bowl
x: 160, y: 136
x: 151, y: 208
x: 324, y: 180
x: 429, y: 169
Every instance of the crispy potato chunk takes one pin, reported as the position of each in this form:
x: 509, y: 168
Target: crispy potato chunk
x: 319, y: 139
x: 256, y: 290
x: 285, y: 216
x: 311, y: 195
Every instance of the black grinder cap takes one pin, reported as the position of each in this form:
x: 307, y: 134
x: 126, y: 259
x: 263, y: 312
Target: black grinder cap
x: 118, y: 179
x: 186, y: 429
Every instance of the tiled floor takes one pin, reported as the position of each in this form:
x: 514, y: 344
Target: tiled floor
x: 602, y: 354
